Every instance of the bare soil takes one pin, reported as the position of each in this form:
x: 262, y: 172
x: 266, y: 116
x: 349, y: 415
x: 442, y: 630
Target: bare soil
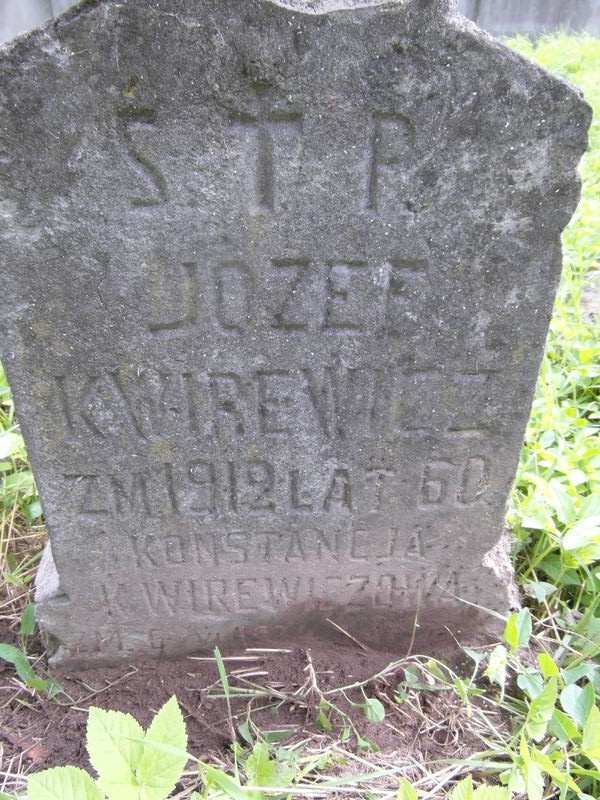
x: 36, y: 733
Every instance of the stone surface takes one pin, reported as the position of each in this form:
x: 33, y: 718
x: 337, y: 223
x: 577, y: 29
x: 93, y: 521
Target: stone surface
x: 276, y: 281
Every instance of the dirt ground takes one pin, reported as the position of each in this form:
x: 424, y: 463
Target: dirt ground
x: 36, y: 733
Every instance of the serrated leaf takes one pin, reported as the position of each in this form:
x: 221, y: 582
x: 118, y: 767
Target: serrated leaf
x: 159, y: 771
x: 406, y: 791
x: 463, y: 790
x: 114, y: 745
x: 541, y: 710
x: 517, y: 631
x: 374, y: 710
x: 577, y: 702
x: 590, y: 741
x: 62, y: 783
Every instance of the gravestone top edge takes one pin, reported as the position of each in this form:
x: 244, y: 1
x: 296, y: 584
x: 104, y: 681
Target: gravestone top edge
x: 447, y: 10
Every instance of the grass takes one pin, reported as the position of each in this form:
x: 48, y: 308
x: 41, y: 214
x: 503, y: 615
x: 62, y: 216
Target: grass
x: 529, y: 704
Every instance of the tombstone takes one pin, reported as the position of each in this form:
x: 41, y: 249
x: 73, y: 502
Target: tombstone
x: 277, y: 278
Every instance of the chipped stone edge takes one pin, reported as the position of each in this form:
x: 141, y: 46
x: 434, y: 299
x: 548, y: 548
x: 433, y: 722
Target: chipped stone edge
x: 499, y: 562
x: 47, y: 583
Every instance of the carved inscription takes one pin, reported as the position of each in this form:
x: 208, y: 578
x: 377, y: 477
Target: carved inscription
x: 334, y: 402
x: 446, y: 482
x: 236, y: 548
x: 391, y: 145
x: 268, y: 125
x: 338, y: 296
x: 205, y: 488
x: 270, y: 131
x: 128, y: 119
x: 226, y: 596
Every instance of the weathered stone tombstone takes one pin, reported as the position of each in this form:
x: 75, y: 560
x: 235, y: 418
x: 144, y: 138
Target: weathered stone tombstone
x: 277, y: 281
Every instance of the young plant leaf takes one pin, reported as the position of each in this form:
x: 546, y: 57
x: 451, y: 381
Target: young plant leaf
x: 561, y: 778
x: 374, y: 710
x: 584, y: 540
x: 406, y: 791
x: 244, y: 732
x: 531, y: 682
x: 517, y: 632
x: 28, y: 620
x: 496, y: 668
x: 491, y: 793
x: 541, y: 710
x: 62, y: 783
x: 226, y: 783
x: 562, y: 726
x: 590, y: 742
x: 23, y: 668
x: 462, y: 790
x: 534, y: 782
x: 262, y: 770
x: 322, y: 720
x: 547, y: 665
x: 159, y: 771
x: 577, y: 702
x: 114, y: 745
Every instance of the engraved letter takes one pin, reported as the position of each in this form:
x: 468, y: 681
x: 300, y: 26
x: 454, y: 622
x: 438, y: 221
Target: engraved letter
x: 202, y: 474
x: 232, y: 288
x: 339, y: 492
x: 343, y: 304
x: 474, y: 481
x: 226, y: 393
x: 434, y: 484
x: 295, y: 311
x: 189, y: 304
x: 261, y: 478
x: 133, y: 499
x: 139, y: 161
x: 274, y: 402
x: 391, y: 145
x: 268, y: 125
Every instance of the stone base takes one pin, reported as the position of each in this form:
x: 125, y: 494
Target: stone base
x: 437, y: 625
